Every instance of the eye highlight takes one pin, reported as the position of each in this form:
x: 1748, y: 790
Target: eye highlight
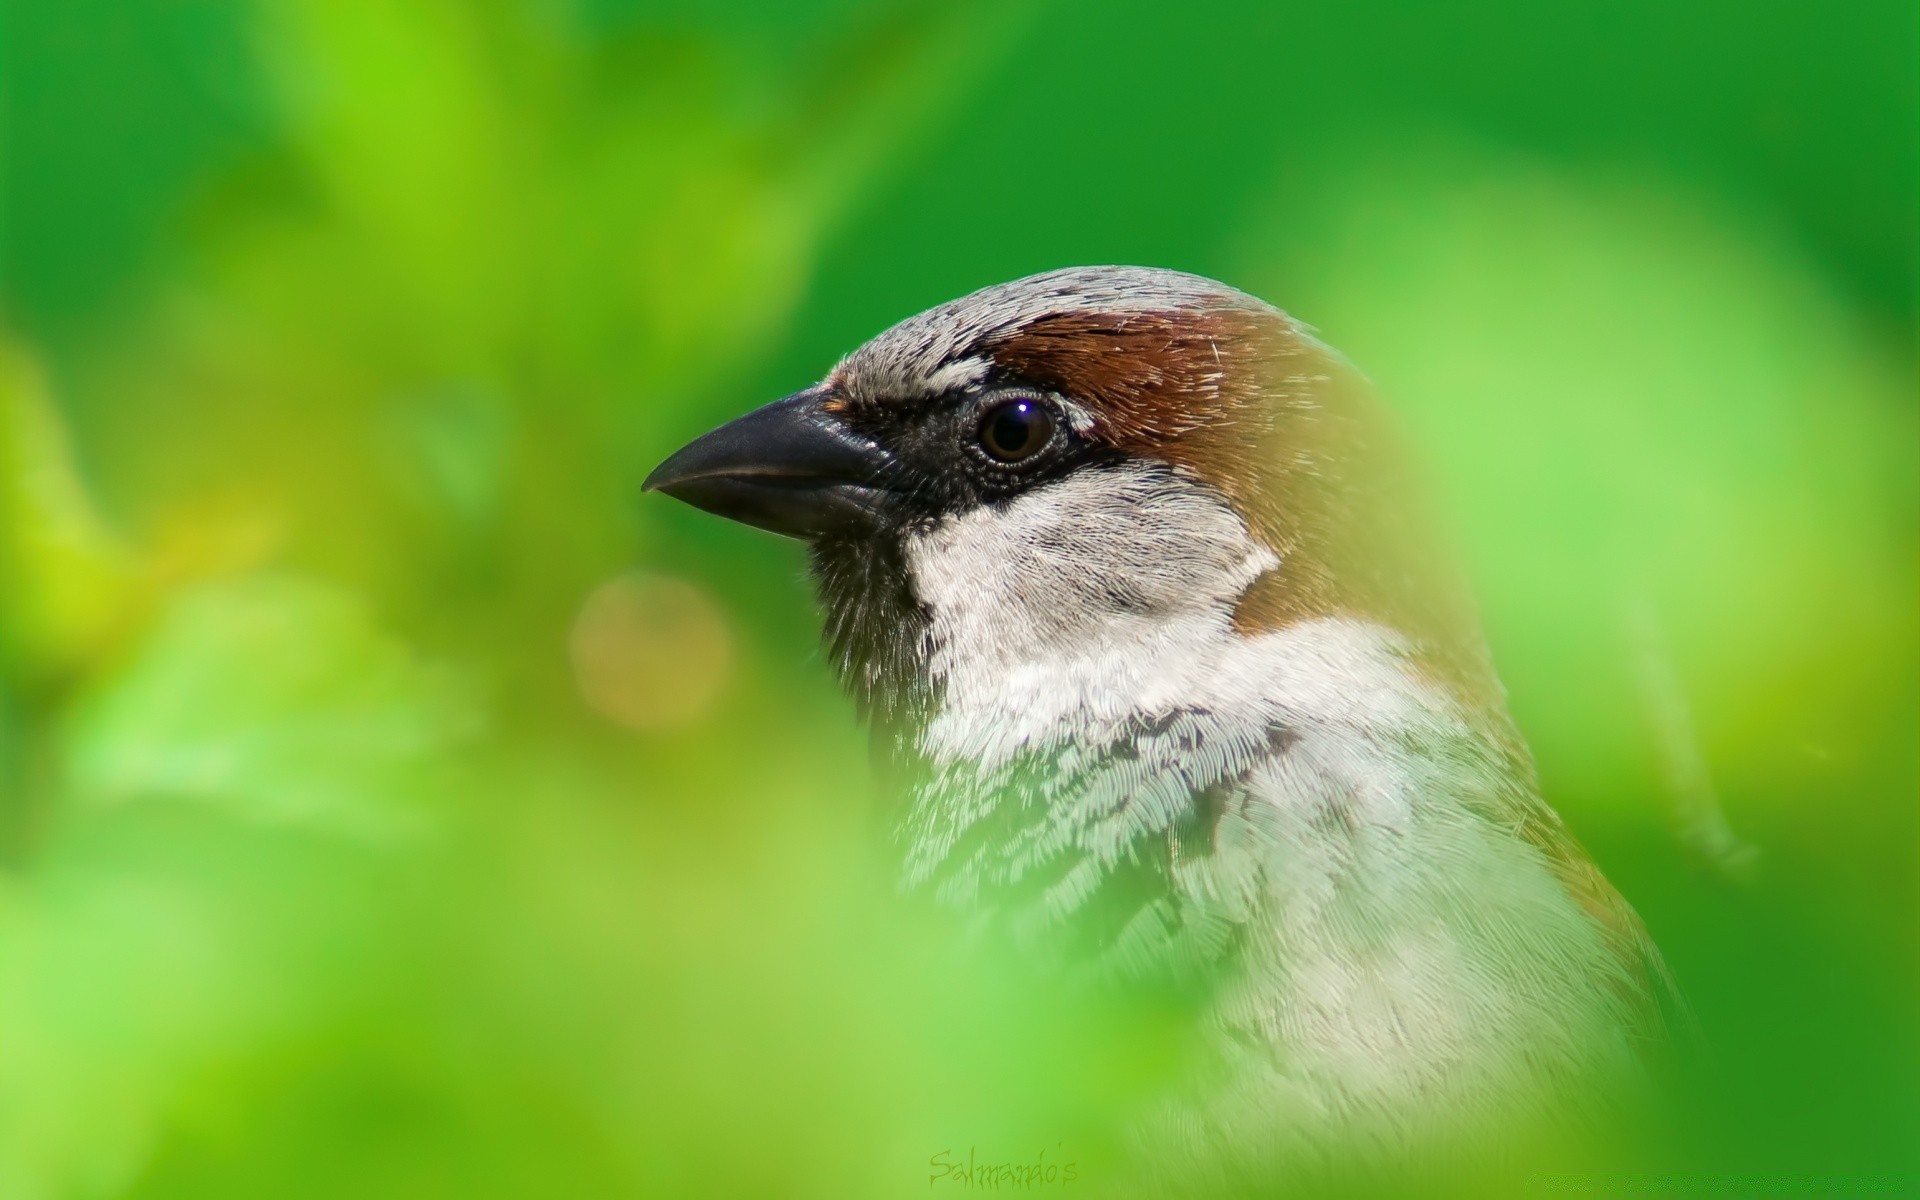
x: 1016, y: 430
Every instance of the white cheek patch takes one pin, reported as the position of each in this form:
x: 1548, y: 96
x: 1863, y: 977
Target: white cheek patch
x: 1110, y: 594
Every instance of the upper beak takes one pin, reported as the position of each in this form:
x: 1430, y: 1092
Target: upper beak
x: 791, y: 467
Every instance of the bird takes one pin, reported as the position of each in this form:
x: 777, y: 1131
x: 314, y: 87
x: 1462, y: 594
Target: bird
x: 1132, y: 576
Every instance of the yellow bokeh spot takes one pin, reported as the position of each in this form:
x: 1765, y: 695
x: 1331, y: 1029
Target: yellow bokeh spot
x: 651, y: 651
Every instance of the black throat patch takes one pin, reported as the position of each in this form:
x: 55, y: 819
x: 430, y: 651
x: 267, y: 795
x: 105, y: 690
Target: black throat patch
x: 877, y: 637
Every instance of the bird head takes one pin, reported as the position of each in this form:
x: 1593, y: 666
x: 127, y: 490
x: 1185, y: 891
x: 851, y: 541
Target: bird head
x: 1124, y: 564
x: 1080, y: 463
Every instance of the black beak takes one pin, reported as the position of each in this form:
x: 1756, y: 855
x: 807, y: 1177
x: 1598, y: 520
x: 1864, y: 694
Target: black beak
x: 791, y: 467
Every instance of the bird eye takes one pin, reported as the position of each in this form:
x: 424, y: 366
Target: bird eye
x: 1016, y: 431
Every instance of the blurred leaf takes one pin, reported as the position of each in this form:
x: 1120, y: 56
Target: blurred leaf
x: 276, y: 699
x: 1634, y: 401
x: 65, y: 578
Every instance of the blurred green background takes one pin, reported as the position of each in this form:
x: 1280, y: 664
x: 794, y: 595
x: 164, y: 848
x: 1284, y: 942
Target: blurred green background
x: 394, y: 803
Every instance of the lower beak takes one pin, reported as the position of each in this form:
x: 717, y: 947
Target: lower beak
x: 792, y: 467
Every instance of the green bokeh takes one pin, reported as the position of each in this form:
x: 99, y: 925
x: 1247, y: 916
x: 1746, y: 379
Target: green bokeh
x: 394, y: 803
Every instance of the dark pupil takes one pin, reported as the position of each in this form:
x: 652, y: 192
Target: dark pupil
x: 1014, y: 431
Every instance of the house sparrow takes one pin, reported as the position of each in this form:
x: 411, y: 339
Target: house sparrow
x: 1117, y: 559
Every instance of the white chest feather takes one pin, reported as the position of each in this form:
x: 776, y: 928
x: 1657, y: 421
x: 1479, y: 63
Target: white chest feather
x: 1111, y: 594
x: 1417, y: 951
